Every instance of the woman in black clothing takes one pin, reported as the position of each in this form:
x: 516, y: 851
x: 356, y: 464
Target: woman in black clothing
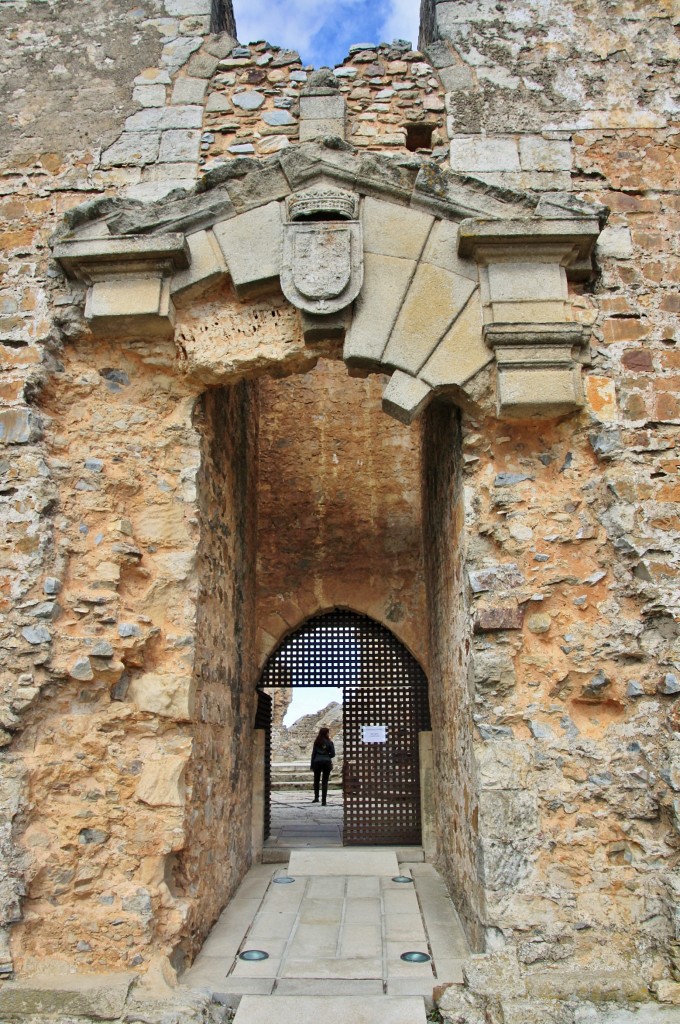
x: 323, y: 753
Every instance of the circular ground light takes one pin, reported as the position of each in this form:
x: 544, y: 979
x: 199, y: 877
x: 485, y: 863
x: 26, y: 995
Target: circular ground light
x: 402, y: 878
x: 415, y: 957
x: 253, y: 954
x: 283, y: 880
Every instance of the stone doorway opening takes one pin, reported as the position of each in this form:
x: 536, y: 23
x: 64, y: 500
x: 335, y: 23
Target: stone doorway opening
x: 384, y: 714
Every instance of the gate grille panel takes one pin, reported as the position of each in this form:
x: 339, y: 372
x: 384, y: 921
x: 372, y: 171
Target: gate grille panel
x: 383, y: 685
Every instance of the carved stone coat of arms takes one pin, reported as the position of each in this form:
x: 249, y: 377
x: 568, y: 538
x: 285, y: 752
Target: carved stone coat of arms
x: 322, y: 267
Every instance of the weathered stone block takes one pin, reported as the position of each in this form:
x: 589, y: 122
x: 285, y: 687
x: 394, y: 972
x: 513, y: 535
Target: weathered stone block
x: 179, y: 144
x: 164, y: 118
x: 615, y: 242
x: 462, y: 351
x: 495, y: 617
x: 392, y: 230
x: 526, y: 281
x: 161, y: 783
x: 217, y: 103
x: 323, y: 108
x: 186, y: 8
x: 597, y: 986
x: 171, y: 696
x: 539, y: 154
x: 251, y: 244
x: 19, y: 426
x: 101, y: 997
x: 503, y: 764
x: 385, y: 282
x: 504, y: 577
x: 494, y: 669
x: 316, y: 128
x: 132, y: 149
x: 131, y: 303
x: 405, y: 397
x: 495, y: 974
x: 189, y: 90
x: 442, y: 250
x: 434, y: 299
x: 529, y: 392
x: 207, y: 264
x: 477, y: 153
x: 149, y: 95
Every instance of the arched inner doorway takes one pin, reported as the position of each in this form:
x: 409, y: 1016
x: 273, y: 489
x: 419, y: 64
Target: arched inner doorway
x: 385, y: 709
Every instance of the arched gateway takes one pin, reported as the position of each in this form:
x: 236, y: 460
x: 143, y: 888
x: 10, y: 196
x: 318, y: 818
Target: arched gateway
x: 385, y: 708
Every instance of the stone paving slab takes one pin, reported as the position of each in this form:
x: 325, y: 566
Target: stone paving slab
x: 338, y: 930
x: 343, y: 1010
x: 330, y: 987
x: 343, y: 862
x: 359, y: 968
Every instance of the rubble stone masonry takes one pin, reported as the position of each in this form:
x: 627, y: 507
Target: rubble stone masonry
x: 170, y: 507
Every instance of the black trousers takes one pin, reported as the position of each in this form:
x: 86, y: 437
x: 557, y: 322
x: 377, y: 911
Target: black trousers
x: 321, y: 774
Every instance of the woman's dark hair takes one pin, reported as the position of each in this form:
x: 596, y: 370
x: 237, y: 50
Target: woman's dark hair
x: 323, y: 736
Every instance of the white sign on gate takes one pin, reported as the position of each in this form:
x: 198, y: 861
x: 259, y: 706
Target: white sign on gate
x: 374, y: 733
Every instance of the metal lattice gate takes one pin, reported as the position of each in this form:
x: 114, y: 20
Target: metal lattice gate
x: 385, y: 707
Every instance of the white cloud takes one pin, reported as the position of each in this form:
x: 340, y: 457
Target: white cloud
x: 294, y: 24
x: 402, y: 21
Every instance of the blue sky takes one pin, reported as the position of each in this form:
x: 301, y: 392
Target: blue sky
x: 323, y: 30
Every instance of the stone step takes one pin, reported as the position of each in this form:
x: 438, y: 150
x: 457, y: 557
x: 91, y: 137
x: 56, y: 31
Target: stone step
x: 331, y: 1010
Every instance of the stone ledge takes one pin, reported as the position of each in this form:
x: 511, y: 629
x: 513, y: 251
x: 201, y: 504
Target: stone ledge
x: 93, y: 258
x: 98, y: 996
x: 477, y: 237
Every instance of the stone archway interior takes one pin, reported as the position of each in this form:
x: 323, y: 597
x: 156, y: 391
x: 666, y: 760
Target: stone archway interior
x: 385, y: 708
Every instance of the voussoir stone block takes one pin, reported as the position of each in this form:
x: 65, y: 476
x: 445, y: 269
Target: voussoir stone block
x: 375, y: 310
x: 434, y: 299
x: 392, y: 230
x: 442, y: 251
x: 251, y: 244
x: 405, y: 397
x: 462, y: 351
x: 207, y: 264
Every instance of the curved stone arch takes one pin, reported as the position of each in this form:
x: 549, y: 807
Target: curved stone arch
x: 454, y: 273
x: 265, y: 653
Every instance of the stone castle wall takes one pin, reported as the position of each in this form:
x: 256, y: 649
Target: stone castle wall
x: 551, y: 574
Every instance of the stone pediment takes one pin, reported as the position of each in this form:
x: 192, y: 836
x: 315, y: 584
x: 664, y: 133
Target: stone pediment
x: 432, y: 276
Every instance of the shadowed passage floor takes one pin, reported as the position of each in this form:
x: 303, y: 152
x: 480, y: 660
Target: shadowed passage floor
x: 297, y: 823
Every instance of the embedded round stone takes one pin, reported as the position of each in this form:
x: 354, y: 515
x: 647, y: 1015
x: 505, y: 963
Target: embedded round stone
x: 539, y: 623
x: 248, y: 100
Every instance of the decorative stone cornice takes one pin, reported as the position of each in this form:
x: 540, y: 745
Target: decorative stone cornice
x: 428, y: 274
x: 94, y: 259
x: 569, y: 242
x: 128, y: 280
